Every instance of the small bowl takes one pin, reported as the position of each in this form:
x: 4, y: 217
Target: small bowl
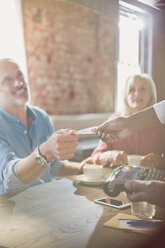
x: 134, y: 159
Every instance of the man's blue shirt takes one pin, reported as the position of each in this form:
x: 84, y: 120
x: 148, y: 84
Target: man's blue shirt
x: 16, y: 142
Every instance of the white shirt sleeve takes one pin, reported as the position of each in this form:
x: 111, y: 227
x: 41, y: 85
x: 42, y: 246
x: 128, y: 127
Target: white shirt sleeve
x: 160, y: 111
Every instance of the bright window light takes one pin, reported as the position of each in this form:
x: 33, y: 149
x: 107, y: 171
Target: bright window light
x: 129, y: 39
x: 11, y: 30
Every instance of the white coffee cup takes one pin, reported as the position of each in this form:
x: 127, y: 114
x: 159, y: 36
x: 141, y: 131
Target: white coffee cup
x: 134, y: 159
x: 93, y: 173
x: 143, y: 209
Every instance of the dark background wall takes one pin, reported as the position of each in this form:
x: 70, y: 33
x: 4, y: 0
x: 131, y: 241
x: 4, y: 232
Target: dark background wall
x: 71, y: 51
x: 157, y: 9
x: 158, y: 61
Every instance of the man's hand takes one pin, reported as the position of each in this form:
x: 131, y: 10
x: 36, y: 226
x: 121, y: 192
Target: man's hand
x: 114, y: 130
x: 150, y: 191
x: 61, y: 145
x: 122, y: 127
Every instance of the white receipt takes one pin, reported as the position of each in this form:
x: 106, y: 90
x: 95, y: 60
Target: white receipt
x: 86, y: 131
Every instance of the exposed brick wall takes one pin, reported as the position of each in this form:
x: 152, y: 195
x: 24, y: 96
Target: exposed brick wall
x: 70, y: 55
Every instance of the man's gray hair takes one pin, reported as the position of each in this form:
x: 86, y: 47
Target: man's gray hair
x: 7, y: 60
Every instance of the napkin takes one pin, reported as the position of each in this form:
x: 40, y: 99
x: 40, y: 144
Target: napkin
x: 114, y: 222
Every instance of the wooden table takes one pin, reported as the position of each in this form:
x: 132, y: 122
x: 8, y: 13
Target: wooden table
x: 60, y: 214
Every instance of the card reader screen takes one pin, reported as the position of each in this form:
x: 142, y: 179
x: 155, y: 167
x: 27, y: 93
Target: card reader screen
x: 128, y: 172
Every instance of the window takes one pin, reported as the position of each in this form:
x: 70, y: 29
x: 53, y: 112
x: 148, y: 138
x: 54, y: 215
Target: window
x: 11, y: 30
x: 134, y: 48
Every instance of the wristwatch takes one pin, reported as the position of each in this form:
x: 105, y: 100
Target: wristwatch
x: 40, y: 159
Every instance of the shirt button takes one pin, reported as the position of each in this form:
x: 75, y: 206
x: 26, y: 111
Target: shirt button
x: 25, y: 132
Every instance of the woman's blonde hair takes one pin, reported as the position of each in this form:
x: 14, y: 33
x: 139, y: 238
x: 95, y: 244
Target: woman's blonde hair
x: 150, y: 85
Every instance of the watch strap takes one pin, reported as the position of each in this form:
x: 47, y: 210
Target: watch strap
x: 40, y: 159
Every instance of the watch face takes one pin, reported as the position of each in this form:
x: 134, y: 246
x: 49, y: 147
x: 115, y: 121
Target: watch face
x: 40, y: 161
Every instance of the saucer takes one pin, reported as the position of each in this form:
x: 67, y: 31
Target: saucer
x: 82, y: 179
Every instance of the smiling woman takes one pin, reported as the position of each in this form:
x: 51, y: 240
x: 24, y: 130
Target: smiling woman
x: 139, y: 93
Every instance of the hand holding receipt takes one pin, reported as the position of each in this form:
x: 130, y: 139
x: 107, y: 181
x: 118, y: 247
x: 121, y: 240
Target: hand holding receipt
x: 86, y: 131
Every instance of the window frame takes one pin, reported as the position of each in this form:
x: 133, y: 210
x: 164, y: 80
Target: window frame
x: 145, y: 40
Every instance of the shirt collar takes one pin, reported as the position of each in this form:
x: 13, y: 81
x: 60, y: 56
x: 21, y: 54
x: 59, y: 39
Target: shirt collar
x: 12, y: 118
x: 31, y: 115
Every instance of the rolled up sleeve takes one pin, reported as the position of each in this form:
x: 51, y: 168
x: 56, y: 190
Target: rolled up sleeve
x: 11, y: 182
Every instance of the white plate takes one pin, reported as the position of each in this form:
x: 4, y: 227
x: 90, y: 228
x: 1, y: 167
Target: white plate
x: 82, y: 179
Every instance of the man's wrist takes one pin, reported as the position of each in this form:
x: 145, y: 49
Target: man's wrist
x: 143, y: 119
x: 45, y: 152
x: 132, y: 123
x: 40, y: 158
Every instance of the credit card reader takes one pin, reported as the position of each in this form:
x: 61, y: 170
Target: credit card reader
x: 114, y: 184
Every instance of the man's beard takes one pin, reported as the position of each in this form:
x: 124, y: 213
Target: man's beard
x: 14, y: 91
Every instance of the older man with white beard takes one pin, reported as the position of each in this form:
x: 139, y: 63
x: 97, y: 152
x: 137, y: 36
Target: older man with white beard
x: 29, y: 148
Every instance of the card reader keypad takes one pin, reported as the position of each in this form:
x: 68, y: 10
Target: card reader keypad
x: 115, y: 183
x: 151, y: 174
